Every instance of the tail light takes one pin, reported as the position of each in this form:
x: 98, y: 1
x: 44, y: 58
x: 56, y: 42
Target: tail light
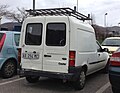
x: 115, y: 59
x: 19, y: 55
x: 72, y: 58
x: 2, y: 41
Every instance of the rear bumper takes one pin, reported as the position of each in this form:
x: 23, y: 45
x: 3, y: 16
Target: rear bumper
x: 114, y: 77
x: 72, y: 75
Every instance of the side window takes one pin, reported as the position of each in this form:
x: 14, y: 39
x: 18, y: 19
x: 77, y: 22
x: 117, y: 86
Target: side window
x: 56, y: 34
x: 98, y: 47
x: 17, y: 38
x: 33, y: 34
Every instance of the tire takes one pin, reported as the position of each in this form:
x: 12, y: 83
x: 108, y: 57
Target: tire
x: 9, y: 69
x: 80, y: 81
x: 115, y: 90
x: 32, y: 79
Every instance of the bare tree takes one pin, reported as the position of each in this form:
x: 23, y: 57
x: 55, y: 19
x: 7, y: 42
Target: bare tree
x: 18, y: 15
x: 3, y: 10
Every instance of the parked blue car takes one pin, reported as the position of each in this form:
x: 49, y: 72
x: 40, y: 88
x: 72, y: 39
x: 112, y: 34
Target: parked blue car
x: 9, y: 42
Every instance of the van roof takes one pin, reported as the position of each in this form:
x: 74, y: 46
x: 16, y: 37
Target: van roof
x: 82, y: 25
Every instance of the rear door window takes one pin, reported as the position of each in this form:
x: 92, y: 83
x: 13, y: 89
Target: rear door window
x: 33, y: 34
x: 17, y: 39
x: 56, y: 34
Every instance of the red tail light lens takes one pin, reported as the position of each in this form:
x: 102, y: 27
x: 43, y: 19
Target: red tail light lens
x: 72, y: 58
x: 115, y: 59
x: 19, y: 55
x: 2, y: 41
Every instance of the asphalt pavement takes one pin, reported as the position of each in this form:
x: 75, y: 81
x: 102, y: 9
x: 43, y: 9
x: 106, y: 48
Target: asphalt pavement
x: 96, y: 83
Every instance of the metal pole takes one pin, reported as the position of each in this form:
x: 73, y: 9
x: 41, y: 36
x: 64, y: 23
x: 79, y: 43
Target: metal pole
x: 105, y: 25
x: 105, y: 19
x: 77, y: 5
x: 33, y: 4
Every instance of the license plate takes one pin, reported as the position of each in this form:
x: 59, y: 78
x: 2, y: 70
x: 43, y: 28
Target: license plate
x: 30, y: 55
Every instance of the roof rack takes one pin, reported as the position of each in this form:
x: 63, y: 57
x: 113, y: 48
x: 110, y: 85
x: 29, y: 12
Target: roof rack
x: 59, y: 11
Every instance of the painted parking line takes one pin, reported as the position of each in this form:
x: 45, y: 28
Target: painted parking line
x: 103, y: 88
x: 8, y: 82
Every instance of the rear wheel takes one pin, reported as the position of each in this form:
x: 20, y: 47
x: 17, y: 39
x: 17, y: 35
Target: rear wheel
x: 80, y: 81
x: 32, y: 79
x: 9, y: 69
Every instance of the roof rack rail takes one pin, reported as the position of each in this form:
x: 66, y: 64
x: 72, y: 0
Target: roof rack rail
x: 59, y: 11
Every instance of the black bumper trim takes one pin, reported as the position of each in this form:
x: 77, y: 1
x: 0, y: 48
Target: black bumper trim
x: 96, y: 62
x: 72, y: 74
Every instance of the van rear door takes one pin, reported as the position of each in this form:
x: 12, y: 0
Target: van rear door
x: 32, y: 48
x: 56, y: 47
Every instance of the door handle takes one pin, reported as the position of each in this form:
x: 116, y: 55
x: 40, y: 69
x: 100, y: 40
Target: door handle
x: 64, y: 58
x: 47, y: 55
x: 34, y: 51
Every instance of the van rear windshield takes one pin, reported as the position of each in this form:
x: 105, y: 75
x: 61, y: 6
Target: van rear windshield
x: 33, y: 34
x: 1, y: 35
x: 56, y: 34
x: 17, y: 39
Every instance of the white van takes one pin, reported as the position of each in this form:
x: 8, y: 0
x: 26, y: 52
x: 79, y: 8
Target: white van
x: 59, y: 47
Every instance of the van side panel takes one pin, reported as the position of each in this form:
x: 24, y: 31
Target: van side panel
x: 86, y: 50
x: 82, y: 40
